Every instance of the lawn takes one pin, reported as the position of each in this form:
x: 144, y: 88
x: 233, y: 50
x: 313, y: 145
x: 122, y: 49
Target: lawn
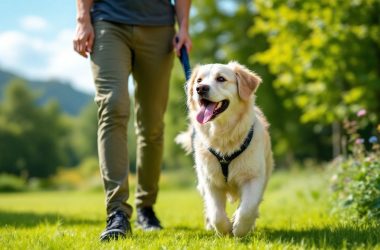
x: 295, y: 214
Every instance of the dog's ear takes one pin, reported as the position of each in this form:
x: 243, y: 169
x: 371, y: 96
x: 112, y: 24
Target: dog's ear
x: 190, y: 82
x: 247, y: 80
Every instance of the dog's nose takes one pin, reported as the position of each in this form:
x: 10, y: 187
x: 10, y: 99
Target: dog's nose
x: 202, y: 89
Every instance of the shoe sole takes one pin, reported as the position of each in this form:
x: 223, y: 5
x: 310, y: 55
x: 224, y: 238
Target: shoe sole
x: 112, y: 234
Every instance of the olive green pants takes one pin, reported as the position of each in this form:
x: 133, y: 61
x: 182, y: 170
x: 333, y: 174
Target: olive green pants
x: 146, y: 52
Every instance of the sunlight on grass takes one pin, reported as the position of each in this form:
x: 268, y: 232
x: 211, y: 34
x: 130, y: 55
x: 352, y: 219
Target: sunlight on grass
x: 294, y: 214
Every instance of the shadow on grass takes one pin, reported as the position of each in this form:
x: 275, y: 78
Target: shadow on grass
x: 29, y: 219
x: 335, y: 237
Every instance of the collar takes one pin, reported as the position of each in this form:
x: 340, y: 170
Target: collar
x: 225, y: 160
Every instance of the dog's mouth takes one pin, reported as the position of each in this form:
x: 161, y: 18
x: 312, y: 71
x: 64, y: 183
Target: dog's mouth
x: 210, y: 110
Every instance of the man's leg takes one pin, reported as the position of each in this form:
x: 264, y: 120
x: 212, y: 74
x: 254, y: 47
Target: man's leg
x: 151, y: 70
x: 111, y: 65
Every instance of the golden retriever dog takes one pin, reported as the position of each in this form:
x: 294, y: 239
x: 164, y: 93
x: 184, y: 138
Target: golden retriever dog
x: 229, y: 138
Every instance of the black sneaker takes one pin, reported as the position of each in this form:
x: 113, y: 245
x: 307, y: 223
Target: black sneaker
x: 118, y: 226
x: 147, y: 220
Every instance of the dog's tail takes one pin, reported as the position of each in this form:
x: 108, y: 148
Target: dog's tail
x: 185, y: 139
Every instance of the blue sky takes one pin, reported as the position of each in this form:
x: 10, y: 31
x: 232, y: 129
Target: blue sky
x: 36, y: 41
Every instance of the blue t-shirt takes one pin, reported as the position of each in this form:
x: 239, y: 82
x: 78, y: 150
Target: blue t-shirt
x: 134, y: 12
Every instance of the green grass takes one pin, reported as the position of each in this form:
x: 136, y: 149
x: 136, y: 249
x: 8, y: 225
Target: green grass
x: 294, y: 215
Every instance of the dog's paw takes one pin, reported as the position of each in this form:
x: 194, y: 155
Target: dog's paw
x: 208, y: 225
x: 242, y: 225
x: 241, y: 229
x: 222, y: 225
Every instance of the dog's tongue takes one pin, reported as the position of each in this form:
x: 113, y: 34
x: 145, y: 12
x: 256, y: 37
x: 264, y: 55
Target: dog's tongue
x: 205, y: 114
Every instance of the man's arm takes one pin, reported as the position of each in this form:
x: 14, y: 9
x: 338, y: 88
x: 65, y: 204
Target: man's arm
x: 84, y: 35
x: 182, y: 8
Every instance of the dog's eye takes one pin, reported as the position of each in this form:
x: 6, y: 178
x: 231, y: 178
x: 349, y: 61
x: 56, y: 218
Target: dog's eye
x: 199, y: 80
x: 221, y: 79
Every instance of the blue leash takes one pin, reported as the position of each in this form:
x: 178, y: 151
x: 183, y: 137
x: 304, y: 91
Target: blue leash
x: 184, y: 58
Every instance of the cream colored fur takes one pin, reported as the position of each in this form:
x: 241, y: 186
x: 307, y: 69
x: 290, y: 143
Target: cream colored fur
x: 249, y: 172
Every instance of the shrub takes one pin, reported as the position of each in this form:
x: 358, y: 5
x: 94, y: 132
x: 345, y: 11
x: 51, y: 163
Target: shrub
x: 11, y: 183
x: 356, y: 183
x: 84, y: 176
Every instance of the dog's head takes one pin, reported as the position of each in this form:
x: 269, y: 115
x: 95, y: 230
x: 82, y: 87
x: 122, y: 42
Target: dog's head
x: 217, y: 89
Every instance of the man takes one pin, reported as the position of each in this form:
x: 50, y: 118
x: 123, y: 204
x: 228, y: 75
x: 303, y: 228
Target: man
x: 134, y: 37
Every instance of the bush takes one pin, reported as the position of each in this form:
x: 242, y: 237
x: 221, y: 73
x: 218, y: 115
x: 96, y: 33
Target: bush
x: 356, y: 183
x: 357, y: 187
x: 84, y: 176
x: 11, y: 183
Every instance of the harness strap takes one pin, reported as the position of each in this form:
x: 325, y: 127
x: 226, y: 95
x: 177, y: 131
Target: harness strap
x: 225, y: 160
x: 224, y: 167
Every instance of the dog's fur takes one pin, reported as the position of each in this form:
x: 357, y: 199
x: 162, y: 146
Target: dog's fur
x: 225, y: 133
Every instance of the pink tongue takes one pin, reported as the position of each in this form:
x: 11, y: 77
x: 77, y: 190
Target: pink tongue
x: 205, y: 114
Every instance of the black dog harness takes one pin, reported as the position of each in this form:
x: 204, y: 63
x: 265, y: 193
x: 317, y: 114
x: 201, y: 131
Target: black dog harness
x: 225, y: 160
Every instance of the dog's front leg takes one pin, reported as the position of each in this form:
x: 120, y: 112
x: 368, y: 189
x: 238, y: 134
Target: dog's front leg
x: 245, y: 216
x: 215, y: 201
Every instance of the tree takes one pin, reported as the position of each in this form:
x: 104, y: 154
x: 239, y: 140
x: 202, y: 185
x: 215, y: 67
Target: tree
x: 30, y: 136
x: 325, y: 56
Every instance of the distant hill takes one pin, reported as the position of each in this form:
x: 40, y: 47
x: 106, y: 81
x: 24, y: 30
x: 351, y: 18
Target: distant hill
x: 70, y: 100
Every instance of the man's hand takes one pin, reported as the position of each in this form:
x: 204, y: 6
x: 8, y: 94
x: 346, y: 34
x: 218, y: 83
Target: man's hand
x: 84, y: 37
x: 182, y: 38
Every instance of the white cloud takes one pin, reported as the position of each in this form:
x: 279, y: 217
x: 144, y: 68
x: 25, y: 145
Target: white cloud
x: 33, y: 23
x: 40, y: 58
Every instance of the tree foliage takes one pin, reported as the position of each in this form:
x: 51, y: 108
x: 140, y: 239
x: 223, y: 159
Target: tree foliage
x: 325, y: 55
x: 30, y: 136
